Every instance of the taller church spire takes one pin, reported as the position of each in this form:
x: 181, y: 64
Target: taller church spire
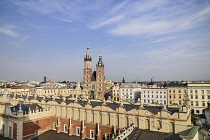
x: 88, y: 57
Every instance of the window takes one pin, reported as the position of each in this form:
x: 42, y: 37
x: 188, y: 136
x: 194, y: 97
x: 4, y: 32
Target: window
x: 180, y: 102
x: 196, y: 91
x: 170, y: 96
x: 160, y: 96
x: 174, y: 95
x: 65, y: 128
x: 185, y: 91
x: 92, y: 134
x: 156, y: 96
x: 36, y: 132
x: 179, y: 91
x: 164, y: 102
x: 148, y: 101
x: 77, y: 130
x: 3, y: 130
x: 191, y: 96
x: 170, y: 102
x: 174, y: 91
x: 202, y: 97
x: 197, y: 111
x: 208, y: 97
x: 108, y: 137
x: 191, y: 103
x: 144, y: 95
x: 191, y: 91
x: 196, y: 96
x: 208, y: 91
x: 10, y: 132
x: 203, y: 103
x: 202, y: 91
x: 148, y: 96
x: 179, y: 96
x: 54, y: 126
x: 197, y: 103
x: 169, y: 90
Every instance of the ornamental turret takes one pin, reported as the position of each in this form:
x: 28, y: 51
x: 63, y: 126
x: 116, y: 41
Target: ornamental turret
x: 100, y: 62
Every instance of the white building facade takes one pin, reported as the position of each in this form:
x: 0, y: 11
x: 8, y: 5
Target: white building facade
x: 151, y: 95
x: 130, y: 92
x: 199, y: 95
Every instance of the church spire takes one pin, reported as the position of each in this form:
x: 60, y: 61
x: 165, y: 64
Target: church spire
x: 123, y: 81
x: 100, y: 62
x: 88, y: 57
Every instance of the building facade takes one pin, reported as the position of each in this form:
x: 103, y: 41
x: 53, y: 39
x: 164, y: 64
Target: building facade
x: 152, y: 95
x: 24, y: 119
x: 130, y: 92
x: 176, y: 93
x: 199, y: 94
x: 116, y: 92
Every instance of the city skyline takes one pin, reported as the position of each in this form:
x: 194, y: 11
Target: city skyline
x: 167, y: 40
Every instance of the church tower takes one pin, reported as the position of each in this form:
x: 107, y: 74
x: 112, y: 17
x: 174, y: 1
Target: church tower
x: 87, y: 71
x: 100, y: 79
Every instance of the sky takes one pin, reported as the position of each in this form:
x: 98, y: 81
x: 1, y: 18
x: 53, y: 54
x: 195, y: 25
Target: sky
x: 163, y: 39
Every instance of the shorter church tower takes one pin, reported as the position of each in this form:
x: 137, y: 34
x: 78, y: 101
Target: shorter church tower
x: 100, y: 79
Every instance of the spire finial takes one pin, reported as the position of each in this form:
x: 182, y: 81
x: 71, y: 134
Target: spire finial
x: 88, y: 44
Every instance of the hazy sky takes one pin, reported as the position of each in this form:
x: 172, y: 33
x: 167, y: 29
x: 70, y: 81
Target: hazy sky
x: 164, y: 39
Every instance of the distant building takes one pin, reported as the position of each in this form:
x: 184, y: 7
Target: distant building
x: 94, y: 82
x: 199, y: 94
x: 130, y: 92
x: 176, y: 93
x: 45, y: 79
x: 156, y: 94
x: 116, y: 92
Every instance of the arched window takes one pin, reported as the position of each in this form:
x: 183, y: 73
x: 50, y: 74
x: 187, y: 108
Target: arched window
x: 93, y: 86
x: 158, y: 124
x: 147, y: 124
x: 136, y: 122
x: 171, y: 127
x: 126, y: 121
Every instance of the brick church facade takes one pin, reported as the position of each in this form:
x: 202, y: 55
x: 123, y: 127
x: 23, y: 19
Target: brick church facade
x: 94, y: 81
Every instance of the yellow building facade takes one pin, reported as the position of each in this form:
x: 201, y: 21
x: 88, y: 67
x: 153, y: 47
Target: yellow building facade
x: 176, y: 93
